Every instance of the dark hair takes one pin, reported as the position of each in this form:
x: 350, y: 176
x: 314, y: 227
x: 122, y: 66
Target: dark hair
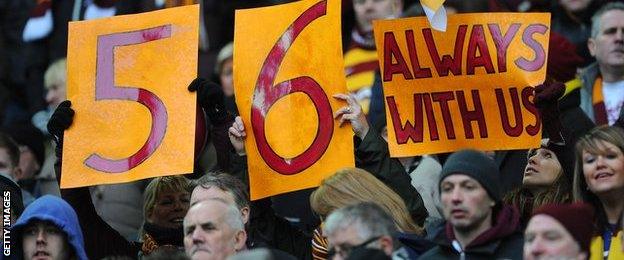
x: 526, y: 202
x: 228, y: 183
x: 12, y: 148
x: 557, y: 193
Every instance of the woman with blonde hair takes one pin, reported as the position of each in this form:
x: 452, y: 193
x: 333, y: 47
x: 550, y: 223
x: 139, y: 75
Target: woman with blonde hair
x: 599, y: 181
x: 352, y: 185
x: 166, y: 201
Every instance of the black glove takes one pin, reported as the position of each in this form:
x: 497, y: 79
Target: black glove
x: 546, y: 101
x: 61, y: 119
x: 210, y: 98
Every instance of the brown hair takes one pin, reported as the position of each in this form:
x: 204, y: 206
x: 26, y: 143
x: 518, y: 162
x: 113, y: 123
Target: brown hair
x: 352, y: 185
x: 526, y: 202
x: 592, y: 143
x: 558, y: 192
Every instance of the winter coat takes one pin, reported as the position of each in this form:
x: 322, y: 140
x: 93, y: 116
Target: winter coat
x: 425, y: 179
x: 615, y: 251
x: 414, y: 245
x: 60, y: 213
x: 265, y: 228
x: 504, y: 240
x: 588, y: 77
x: 372, y: 155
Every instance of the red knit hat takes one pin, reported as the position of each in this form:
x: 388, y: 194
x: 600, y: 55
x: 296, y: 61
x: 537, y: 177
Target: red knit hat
x: 577, y: 218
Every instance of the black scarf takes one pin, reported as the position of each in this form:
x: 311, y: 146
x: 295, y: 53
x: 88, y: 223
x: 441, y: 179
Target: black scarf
x: 165, y: 236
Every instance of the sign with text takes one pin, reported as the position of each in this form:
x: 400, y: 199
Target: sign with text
x: 468, y: 87
x: 127, y: 78
x: 284, y: 78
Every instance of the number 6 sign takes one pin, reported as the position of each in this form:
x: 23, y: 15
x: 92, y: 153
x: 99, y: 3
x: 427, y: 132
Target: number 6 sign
x: 127, y: 79
x: 266, y: 95
x: 293, y: 141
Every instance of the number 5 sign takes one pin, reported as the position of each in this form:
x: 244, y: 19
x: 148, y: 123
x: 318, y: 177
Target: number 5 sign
x: 127, y: 78
x: 284, y: 76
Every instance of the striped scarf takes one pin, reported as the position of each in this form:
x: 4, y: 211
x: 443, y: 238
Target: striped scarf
x: 600, y: 111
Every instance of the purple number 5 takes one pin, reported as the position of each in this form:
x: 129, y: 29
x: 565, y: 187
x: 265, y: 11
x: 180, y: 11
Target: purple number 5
x: 105, y: 89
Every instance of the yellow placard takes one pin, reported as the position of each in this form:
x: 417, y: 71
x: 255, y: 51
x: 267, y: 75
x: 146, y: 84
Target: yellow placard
x: 127, y: 78
x: 468, y: 87
x: 286, y: 70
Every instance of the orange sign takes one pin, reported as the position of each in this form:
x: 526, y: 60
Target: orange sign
x: 468, y: 87
x: 127, y: 79
x: 284, y: 77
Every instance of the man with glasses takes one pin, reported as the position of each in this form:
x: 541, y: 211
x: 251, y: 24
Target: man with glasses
x: 362, y: 229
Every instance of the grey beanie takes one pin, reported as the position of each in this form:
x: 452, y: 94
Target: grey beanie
x: 476, y: 165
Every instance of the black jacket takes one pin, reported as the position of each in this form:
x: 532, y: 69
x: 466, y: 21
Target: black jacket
x: 265, y: 228
x: 503, y: 241
x: 372, y: 155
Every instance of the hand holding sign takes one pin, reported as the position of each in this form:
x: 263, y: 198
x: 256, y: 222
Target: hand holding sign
x: 547, y: 102
x: 284, y: 76
x: 237, y: 135
x: 352, y: 113
x: 60, y: 120
x: 210, y: 98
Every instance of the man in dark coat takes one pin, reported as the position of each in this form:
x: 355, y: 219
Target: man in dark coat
x: 478, y: 225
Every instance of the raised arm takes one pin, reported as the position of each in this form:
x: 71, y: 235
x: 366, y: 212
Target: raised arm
x: 100, y: 239
x: 372, y: 155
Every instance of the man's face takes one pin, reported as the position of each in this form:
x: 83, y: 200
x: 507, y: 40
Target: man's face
x: 545, y: 237
x: 575, y: 6
x: 6, y: 164
x: 55, y: 95
x: 200, y: 194
x: 343, y: 241
x: 465, y: 203
x: 27, y: 163
x: 206, y: 233
x: 368, y: 10
x: 608, y: 46
x: 43, y: 240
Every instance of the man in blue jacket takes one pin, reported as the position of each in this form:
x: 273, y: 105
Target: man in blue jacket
x: 48, y: 229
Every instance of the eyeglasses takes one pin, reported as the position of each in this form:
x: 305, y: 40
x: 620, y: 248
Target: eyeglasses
x: 345, y: 250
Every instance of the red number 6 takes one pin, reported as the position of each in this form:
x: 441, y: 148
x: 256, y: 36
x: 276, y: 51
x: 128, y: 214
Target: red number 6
x: 265, y: 95
x: 105, y: 89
